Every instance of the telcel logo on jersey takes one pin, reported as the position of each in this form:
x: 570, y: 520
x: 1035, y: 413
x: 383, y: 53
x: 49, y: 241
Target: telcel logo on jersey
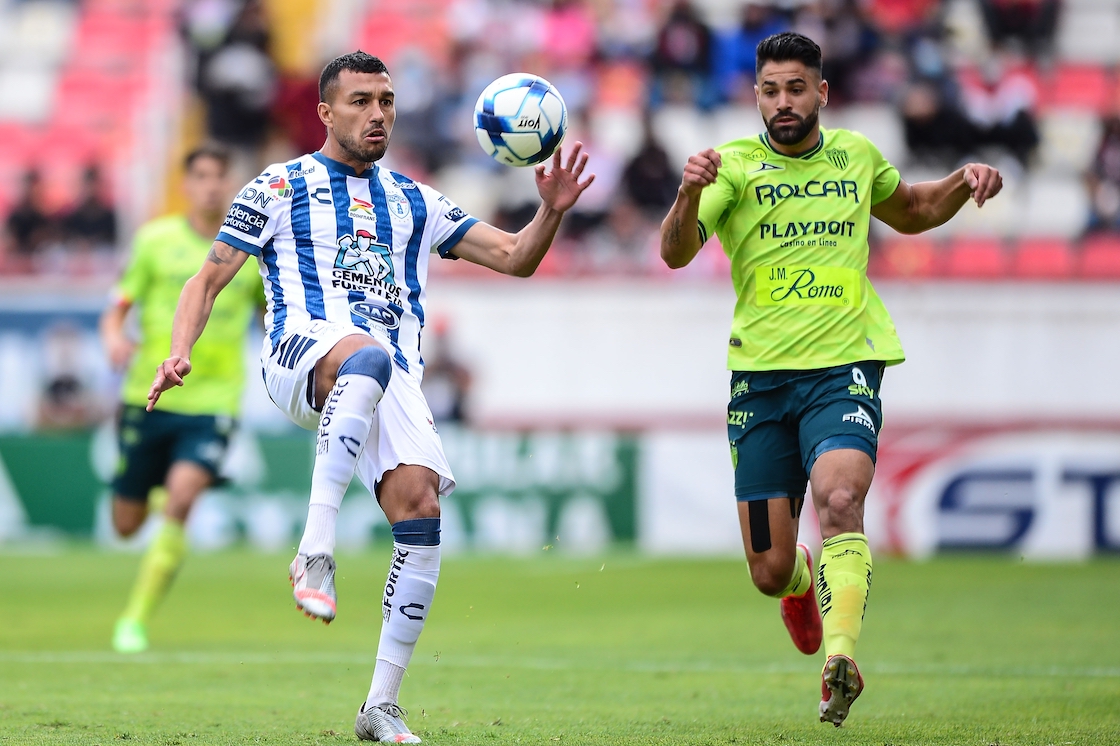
x: 771, y: 193
x: 376, y: 313
x: 245, y: 220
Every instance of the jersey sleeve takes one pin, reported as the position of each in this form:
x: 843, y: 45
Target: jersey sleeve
x: 885, y: 176
x: 449, y: 222
x: 138, y: 273
x: 254, y: 215
x: 717, y: 199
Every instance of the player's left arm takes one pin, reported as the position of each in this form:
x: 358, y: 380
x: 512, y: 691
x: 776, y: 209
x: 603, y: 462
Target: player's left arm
x: 520, y: 253
x: 914, y: 208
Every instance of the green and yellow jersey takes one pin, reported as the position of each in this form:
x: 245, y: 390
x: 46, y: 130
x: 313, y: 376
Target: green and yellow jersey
x: 795, y: 230
x: 166, y: 253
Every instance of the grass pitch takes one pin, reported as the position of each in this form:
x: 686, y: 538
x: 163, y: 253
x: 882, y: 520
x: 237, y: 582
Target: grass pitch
x: 552, y: 650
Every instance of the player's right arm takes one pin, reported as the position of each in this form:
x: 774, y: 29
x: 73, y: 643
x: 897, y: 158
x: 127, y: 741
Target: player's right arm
x: 195, y: 303
x: 680, y: 231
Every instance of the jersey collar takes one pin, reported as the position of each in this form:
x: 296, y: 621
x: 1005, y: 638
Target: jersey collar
x: 341, y: 168
x: 765, y: 137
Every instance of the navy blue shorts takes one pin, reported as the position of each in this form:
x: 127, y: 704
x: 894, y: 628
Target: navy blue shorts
x: 779, y: 422
x: 150, y: 442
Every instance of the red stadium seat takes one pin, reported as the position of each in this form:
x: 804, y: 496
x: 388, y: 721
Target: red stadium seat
x: 1100, y: 258
x: 904, y: 257
x: 1043, y: 259
x: 1082, y: 86
x: 977, y: 259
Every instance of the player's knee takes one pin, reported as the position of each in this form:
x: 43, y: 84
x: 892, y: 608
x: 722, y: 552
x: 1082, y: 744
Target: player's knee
x: 421, y: 504
x: 844, y: 509
x: 371, y: 361
x: 127, y: 523
x: 770, y: 578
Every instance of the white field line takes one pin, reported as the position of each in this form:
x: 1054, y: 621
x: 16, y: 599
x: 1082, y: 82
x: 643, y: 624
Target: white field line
x: 538, y: 664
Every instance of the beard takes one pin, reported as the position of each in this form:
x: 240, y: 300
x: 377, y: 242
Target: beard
x: 791, y: 134
x: 359, y: 150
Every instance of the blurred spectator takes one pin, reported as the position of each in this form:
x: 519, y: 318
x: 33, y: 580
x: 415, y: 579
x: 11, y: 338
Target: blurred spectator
x: 682, y: 56
x: 569, y: 35
x: 621, y: 243
x: 447, y: 381
x: 65, y: 402
x: 294, y: 111
x: 998, y: 102
x: 1104, y: 179
x: 92, y: 224
x: 649, y: 179
x: 734, y: 51
x: 848, y: 43
x: 903, y: 18
x: 237, y: 82
x: 29, y: 226
x: 935, y: 128
x: 1029, y: 22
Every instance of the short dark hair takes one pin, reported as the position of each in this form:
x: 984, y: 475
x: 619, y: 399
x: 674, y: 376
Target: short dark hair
x: 358, y: 62
x: 788, y: 46
x: 207, y: 150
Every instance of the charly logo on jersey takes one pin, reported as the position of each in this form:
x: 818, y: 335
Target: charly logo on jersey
x: 764, y: 166
x: 362, y: 253
x: 398, y: 204
x: 378, y: 313
x: 837, y: 157
x: 359, y: 208
x: 280, y: 187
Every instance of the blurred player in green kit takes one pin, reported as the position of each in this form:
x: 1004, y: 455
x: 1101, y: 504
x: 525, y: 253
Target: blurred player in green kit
x: 179, y: 446
x: 810, y: 339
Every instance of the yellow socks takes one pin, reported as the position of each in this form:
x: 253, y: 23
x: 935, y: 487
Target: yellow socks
x: 843, y: 581
x: 802, y: 577
x: 157, y: 569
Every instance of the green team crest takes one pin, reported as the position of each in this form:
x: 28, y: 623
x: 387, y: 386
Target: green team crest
x: 837, y: 157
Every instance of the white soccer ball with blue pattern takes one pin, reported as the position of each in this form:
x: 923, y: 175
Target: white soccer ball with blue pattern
x: 520, y: 119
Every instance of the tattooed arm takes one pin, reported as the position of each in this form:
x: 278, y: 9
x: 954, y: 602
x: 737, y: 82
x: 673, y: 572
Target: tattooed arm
x: 192, y: 313
x: 680, y: 231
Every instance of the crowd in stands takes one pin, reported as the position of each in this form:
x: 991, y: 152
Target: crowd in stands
x: 649, y: 82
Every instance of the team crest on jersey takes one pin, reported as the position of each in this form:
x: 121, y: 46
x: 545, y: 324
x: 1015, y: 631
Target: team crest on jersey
x: 359, y: 208
x: 362, y: 253
x: 279, y: 186
x: 837, y: 157
x: 398, y: 204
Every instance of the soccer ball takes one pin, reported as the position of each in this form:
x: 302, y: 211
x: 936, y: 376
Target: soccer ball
x: 520, y: 119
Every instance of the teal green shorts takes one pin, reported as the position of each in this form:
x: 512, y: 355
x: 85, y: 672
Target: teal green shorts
x: 779, y: 422
x: 150, y: 442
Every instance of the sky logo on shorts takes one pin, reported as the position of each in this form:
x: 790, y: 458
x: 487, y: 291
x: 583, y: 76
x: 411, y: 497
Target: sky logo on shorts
x: 245, y: 220
x: 280, y: 187
x: 862, y: 417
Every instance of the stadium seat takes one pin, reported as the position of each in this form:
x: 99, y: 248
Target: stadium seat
x: 1089, y: 34
x: 26, y: 93
x: 976, y: 259
x: 1043, y: 259
x: 1053, y: 205
x: 1100, y: 258
x: 904, y: 257
x: 618, y: 130
x: 1070, y: 138
x: 882, y: 125
x: 683, y: 131
x: 1077, y: 86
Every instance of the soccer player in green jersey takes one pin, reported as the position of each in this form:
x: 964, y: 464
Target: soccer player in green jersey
x: 810, y: 338
x: 181, y: 444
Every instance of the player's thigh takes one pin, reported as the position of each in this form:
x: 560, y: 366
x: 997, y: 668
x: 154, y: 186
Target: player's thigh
x: 765, y: 453
x: 839, y: 436
x: 144, y: 440
x: 404, y: 435
x: 289, y: 367
x: 200, y: 450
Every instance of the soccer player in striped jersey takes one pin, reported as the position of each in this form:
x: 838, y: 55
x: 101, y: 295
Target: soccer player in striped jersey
x: 810, y: 338
x: 343, y: 247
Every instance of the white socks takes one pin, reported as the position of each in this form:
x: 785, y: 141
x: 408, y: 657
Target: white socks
x: 343, y: 429
x: 409, y: 591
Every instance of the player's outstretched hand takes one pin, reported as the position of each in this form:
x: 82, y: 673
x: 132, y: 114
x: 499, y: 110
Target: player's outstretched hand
x: 984, y: 181
x: 560, y: 187
x: 700, y: 171
x: 169, y: 373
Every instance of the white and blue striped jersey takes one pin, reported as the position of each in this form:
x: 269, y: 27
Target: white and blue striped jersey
x: 343, y: 248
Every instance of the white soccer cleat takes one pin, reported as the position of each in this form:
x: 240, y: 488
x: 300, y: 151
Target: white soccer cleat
x: 313, y: 586
x: 841, y: 683
x: 384, y: 724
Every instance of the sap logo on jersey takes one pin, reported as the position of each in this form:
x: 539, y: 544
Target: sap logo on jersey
x: 245, y: 220
x: 376, y: 313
